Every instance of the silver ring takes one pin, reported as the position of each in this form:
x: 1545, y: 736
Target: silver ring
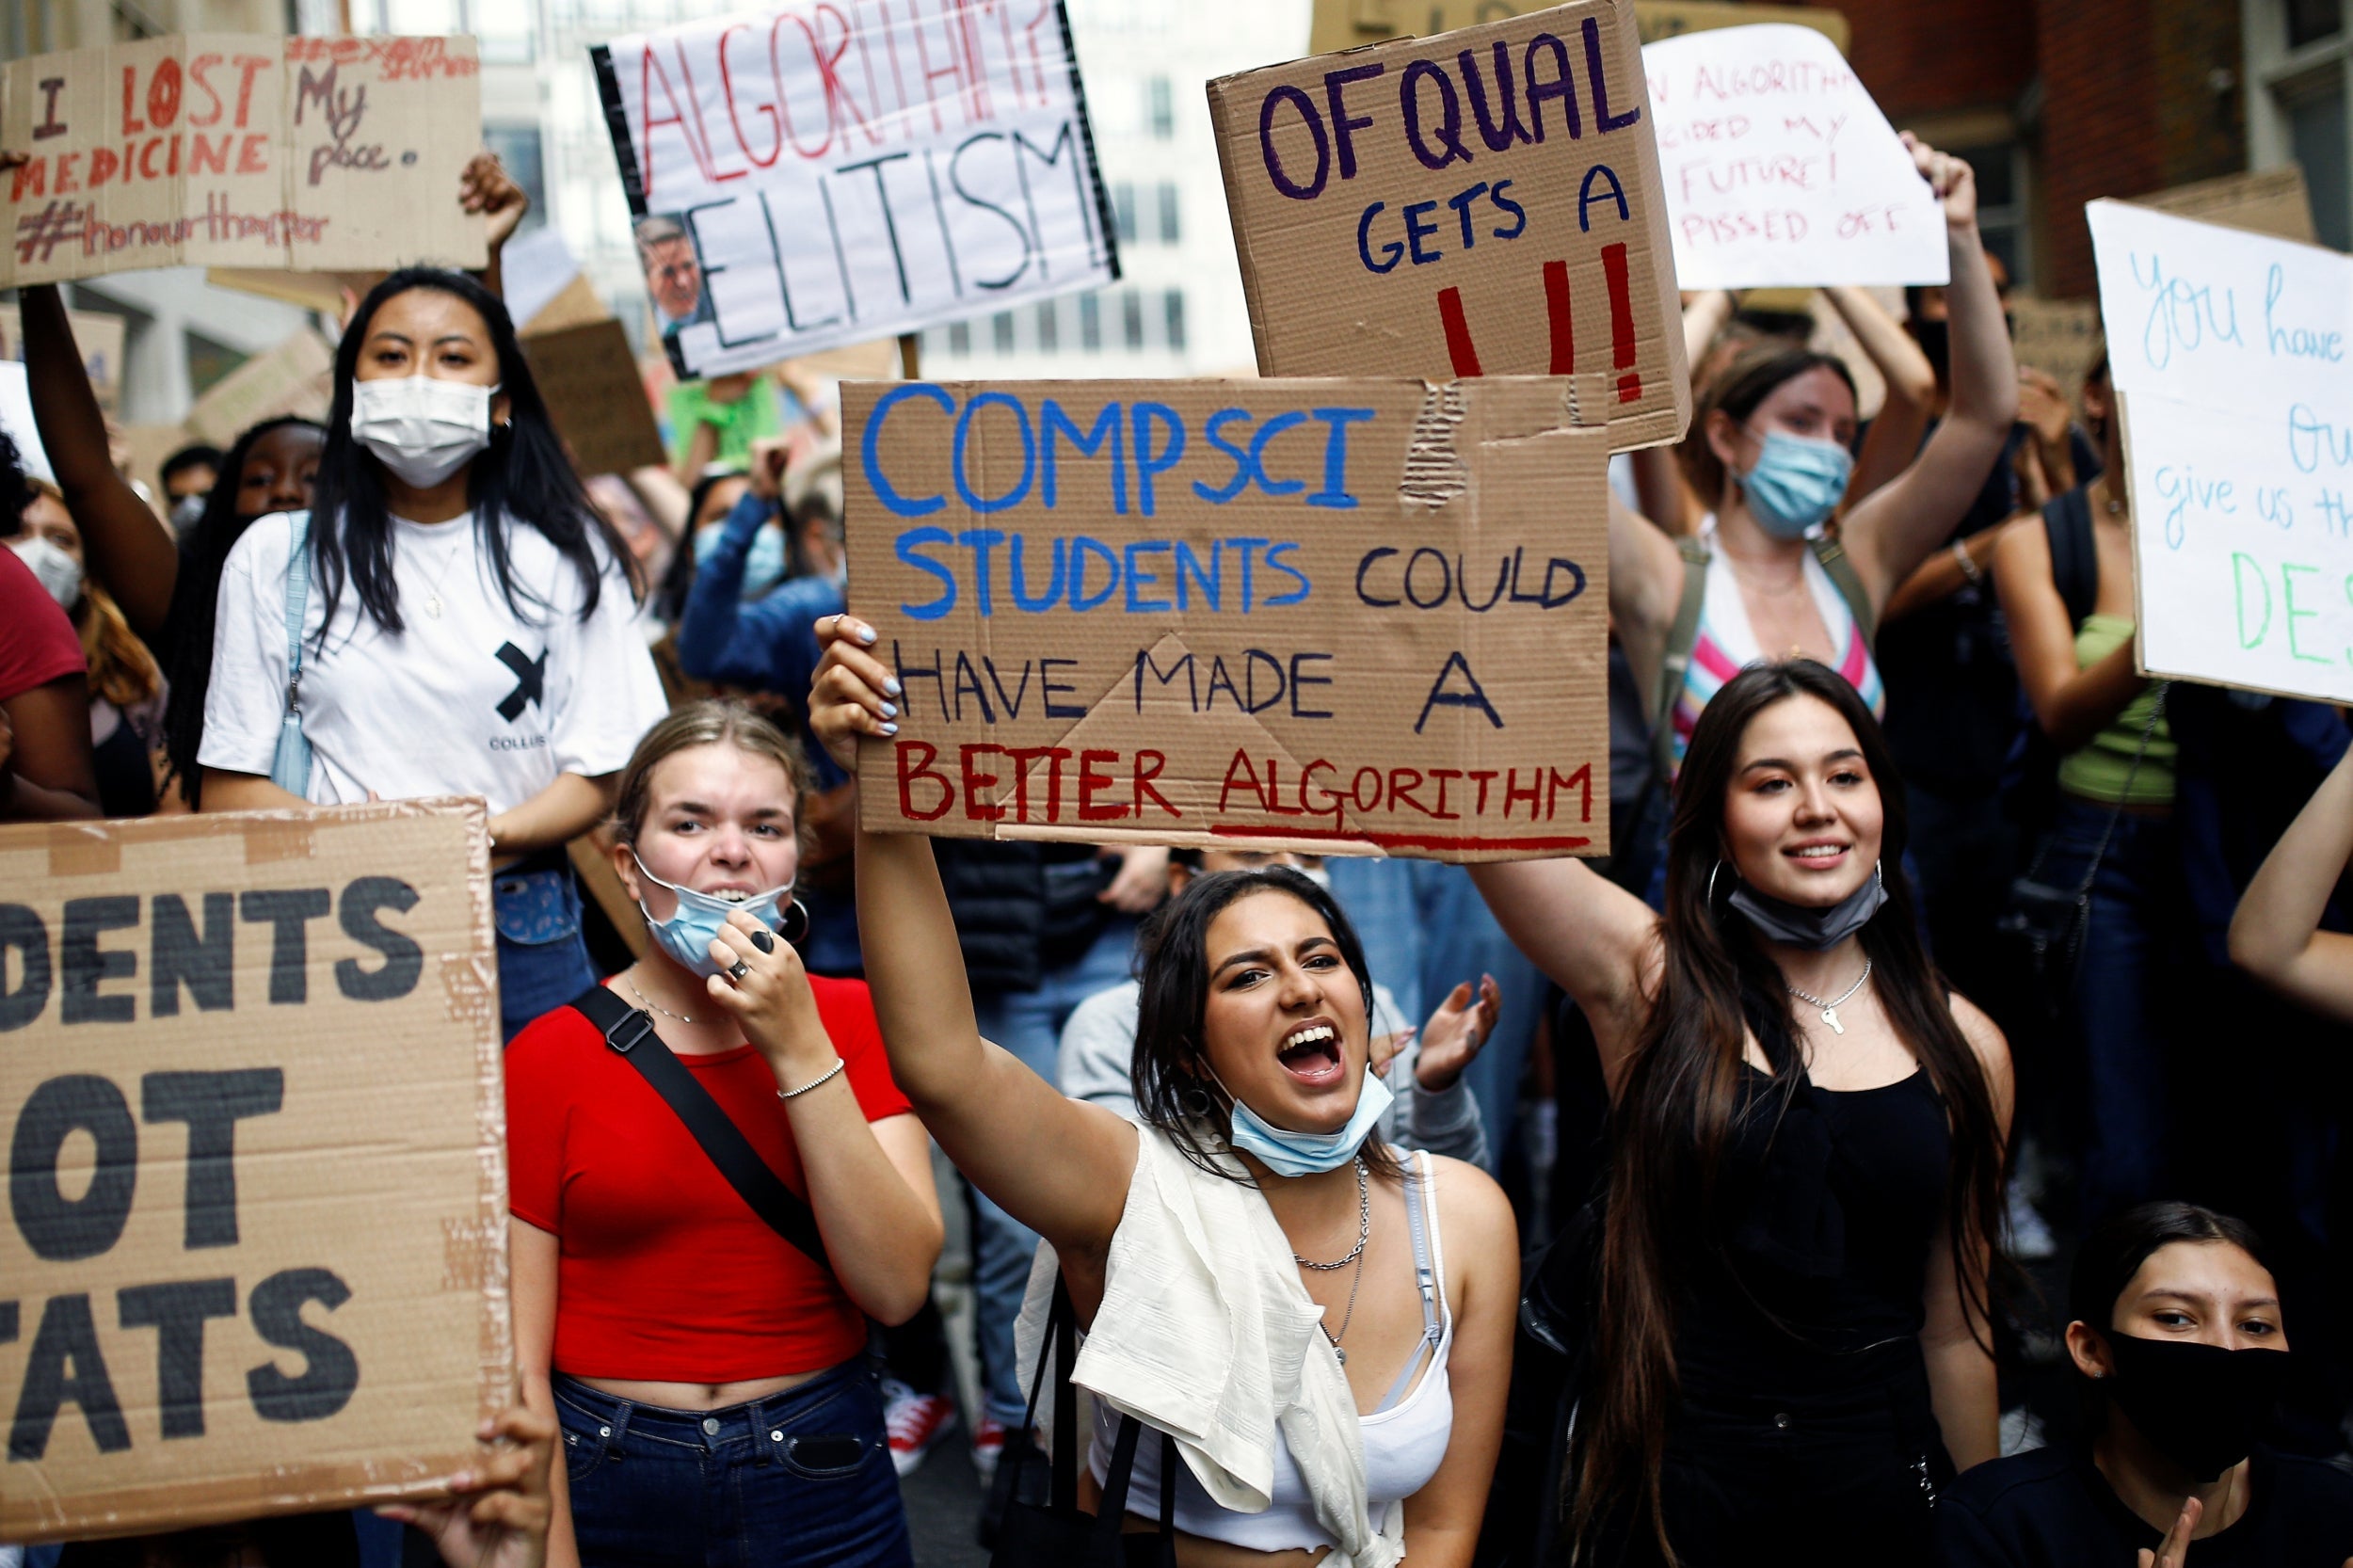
x: 737, y: 971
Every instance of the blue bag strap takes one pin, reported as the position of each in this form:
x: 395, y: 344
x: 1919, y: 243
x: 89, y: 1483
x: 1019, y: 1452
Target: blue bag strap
x: 297, y: 602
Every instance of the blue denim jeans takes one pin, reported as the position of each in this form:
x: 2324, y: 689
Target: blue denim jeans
x: 803, y: 1478
x: 1425, y: 930
x: 2126, y: 1012
x: 543, y: 961
x: 1028, y: 1024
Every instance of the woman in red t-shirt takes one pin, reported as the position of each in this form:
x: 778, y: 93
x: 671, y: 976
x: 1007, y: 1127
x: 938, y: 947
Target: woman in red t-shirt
x: 709, y: 1375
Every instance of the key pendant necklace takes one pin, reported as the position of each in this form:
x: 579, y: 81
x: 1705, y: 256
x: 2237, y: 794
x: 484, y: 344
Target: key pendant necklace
x: 1830, y: 1008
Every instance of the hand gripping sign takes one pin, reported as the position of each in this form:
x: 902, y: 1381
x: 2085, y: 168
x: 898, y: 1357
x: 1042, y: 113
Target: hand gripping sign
x: 1342, y: 616
x: 1484, y: 202
x: 255, y: 1258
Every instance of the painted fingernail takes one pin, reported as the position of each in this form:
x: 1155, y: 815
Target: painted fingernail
x: 865, y: 634
x: 890, y: 710
x: 890, y: 730
x: 891, y: 684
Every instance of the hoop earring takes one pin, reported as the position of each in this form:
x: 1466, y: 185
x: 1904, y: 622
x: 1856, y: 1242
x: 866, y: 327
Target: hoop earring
x: 1195, y: 1103
x: 1879, y: 870
x: 1713, y: 873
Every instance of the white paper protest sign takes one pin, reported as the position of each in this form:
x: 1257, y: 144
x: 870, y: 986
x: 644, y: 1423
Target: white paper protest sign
x: 1781, y: 172
x: 812, y: 175
x: 16, y: 420
x: 2228, y: 351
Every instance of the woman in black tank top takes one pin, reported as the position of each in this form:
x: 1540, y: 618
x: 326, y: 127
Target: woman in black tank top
x: 1791, y: 1351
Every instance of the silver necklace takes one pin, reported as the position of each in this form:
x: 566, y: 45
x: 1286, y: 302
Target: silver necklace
x: 1364, y: 1227
x: 433, y: 608
x: 657, y: 1006
x: 1830, y: 1008
x: 1354, y: 1281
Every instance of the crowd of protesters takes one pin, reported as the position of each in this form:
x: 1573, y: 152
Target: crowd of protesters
x: 1938, y: 944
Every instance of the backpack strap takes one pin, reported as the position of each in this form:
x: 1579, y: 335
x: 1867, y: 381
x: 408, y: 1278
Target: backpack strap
x: 1848, y: 583
x: 2074, y: 555
x: 1682, y: 637
x: 630, y: 1033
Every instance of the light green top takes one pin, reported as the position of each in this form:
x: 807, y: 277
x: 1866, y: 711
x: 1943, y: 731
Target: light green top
x: 2097, y: 771
x: 758, y: 413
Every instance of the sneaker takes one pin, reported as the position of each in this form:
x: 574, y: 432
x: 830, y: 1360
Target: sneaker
x: 989, y: 1447
x: 2027, y: 1235
x: 915, y: 1422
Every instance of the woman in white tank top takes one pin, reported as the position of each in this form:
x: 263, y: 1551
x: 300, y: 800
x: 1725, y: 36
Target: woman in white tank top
x: 1322, y: 1323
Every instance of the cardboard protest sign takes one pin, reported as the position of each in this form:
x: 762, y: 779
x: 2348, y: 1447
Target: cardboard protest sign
x: 589, y: 379
x: 1339, y: 24
x: 295, y: 377
x: 240, y: 150
x: 2228, y: 352
x: 323, y: 292
x: 99, y: 337
x: 2059, y: 337
x: 256, y: 1260
x: 2271, y: 201
x: 812, y: 175
x: 1481, y: 203
x: 1781, y: 170
x: 1344, y: 616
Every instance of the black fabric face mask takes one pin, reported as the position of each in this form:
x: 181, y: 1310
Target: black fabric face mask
x: 1800, y: 925
x: 2199, y: 1406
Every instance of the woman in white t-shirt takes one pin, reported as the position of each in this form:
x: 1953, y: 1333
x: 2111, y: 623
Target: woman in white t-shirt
x: 466, y: 623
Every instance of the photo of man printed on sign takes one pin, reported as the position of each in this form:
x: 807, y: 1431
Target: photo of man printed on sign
x: 674, y: 273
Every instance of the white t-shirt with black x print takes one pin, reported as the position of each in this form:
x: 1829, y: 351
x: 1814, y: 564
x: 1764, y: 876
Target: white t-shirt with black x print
x: 478, y: 699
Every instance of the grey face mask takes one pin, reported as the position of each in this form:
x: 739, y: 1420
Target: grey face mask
x: 1801, y: 926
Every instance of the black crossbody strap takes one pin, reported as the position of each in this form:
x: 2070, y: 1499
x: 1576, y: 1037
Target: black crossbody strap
x: 631, y: 1032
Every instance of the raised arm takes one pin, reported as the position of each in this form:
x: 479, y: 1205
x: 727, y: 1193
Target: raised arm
x: 1645, y: 588
x: 1596, y: 941
x: 2072, y: 704
x: 1903, y: 417
x: 2276, y: 935
x: 128, y: 547
x: 1058, y: 1166
x: 1893, y: 529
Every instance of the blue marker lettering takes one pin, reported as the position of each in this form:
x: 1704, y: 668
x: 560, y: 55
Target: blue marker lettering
x: 1335, y: 492
x: 1029, y: 453
x: 1148, y: 461
x: 1267, y: 432
x: 1245, y: 547
x: 1080, y: 548
x: 1138, y: 578
x: 1241, y: 482
x: 1417, y: 232
x: 1211, y: 581
x: 1274, y: 562
x: 909, y: 542
x: 1389, y: 248
x: 1107, y: 426
x: 980, y: 541
x: 906, y: 506
x: 1021, y: 595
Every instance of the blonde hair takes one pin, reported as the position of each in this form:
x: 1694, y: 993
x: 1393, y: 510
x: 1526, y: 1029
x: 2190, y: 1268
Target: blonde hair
x: 709, y: 722
x: 122, y: 670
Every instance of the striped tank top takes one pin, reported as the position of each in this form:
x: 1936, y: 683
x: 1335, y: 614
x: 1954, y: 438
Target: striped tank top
x: 1727, y: 643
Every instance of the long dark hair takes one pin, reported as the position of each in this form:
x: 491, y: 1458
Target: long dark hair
x: 197, y: 596
x: 678, y: 578
x: 522, y: 476
x: 1682, y: 1090
x: 1177, y: 1093
x: 1749, y: 380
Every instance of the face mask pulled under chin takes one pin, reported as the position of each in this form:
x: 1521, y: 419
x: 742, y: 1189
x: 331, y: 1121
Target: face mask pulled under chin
x: 694, y: 925
x: 1296, y: 1154
x: 421, y: 427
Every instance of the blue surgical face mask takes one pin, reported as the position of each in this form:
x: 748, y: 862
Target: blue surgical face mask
x: 763, y: 565
x: 1797, y: 483
x: 688, y: 931
x: 1298, y: 1154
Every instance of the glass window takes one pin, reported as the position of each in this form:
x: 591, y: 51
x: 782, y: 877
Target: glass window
x: 2310, y: 20
x: 1164, y: 109
x: 1090, y: 322
x: 517, y: 149
x: 1001, y: 332
x: 1049, y: 326
x: 1168, y: 212
x: 1174, y: 303
x: 2316, y: 135
x: 1131, y: 318
x: 960, y: 336
x: 1124, y: 211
